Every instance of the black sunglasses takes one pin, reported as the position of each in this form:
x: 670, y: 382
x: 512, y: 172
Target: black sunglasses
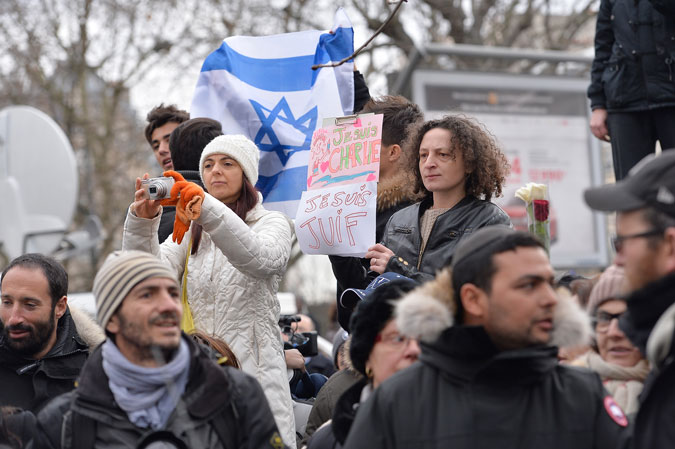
x: 617, y: 240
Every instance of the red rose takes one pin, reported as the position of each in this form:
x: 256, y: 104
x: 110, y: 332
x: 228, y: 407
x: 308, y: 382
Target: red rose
x: 541, y: 210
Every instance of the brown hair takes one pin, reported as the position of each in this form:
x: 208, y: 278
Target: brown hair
x: 483, y: 158
x: 161, y: 115
x: 247, y: 200
x: 399, y: 115
x: 224, y: 354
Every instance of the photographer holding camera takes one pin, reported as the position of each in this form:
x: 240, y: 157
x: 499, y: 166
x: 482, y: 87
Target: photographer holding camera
x: 230, y: 259
x: 300, y: 347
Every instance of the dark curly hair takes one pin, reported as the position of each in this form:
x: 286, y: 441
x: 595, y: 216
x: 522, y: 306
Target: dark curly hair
x: 483, y: 158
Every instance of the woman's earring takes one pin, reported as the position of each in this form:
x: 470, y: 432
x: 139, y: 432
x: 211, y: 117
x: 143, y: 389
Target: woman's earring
x: 369, y: 372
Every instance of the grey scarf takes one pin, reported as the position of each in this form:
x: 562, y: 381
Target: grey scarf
x: 147, y: 395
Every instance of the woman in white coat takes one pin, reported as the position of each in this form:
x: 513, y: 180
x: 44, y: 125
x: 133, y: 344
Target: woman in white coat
x: 238, y: 255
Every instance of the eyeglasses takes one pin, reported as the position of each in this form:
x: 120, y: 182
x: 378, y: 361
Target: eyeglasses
x: 394, y: 340
x: 617, y: 240
x: 604, y: 319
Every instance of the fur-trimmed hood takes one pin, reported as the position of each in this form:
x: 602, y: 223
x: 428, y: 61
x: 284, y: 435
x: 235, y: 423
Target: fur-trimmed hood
x: 88, y: 330
x: 430, y: 309
x: 396, y: 190
x: 347, y: 358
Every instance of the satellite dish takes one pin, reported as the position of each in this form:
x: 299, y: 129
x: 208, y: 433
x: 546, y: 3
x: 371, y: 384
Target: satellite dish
x: 38, y: 182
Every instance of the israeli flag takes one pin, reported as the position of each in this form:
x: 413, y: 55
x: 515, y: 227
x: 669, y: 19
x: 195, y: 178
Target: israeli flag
x: 264, y: 87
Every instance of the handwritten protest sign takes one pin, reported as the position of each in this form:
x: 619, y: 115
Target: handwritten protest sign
x: 336, y: 214
x: 345, y: 153
x: 338, y: 220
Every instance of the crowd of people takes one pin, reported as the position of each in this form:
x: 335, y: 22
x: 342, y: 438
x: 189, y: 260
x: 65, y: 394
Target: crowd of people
x: 456, y: 331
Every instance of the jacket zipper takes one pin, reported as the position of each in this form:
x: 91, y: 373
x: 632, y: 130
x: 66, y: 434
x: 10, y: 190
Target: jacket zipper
x: 38, y: 363
x: 421, y: 252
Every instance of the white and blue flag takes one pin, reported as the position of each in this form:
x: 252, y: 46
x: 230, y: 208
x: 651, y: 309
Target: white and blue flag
x: 264, y: 87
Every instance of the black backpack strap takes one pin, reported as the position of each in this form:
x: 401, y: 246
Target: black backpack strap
x: 83, y: 431
x: 223, y: 425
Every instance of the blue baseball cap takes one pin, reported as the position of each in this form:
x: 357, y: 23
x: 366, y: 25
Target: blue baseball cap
x: 351, y: 296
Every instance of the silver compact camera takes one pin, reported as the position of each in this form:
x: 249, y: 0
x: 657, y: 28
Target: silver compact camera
x: 158, y: 188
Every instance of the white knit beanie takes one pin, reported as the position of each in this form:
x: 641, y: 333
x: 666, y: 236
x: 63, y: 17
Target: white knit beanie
x: 121, y: 272
x: 238, y: 147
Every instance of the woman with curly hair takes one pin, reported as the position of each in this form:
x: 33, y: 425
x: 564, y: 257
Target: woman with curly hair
x: 461, y: 167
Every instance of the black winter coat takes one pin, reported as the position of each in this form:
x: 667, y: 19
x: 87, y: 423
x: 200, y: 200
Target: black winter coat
x: 403, y: 235
x: 465, y: 394
x: 29, y: 384
x: 328, y: 396
x: 213, y: 394
x: 634, y: 65
x: 656, y: 415
x: 334, y: 434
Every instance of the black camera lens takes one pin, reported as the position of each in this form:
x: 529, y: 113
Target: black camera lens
x: 152, y: 190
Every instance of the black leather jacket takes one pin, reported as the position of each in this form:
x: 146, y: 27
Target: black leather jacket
x: 634, y: 65
x: 402, y: 235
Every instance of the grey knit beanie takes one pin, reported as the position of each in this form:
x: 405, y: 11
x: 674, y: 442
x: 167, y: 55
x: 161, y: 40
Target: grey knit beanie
x: 238, y: 147
x: 121, y: 272
x: 610, y: 285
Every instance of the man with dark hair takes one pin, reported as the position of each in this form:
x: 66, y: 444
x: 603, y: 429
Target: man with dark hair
x: 150, y: 382
x: 189, y: 139
x: 162, y: 120
x: 489, y: 376
x: 395, y: 190
x: 399, y: 114
x: 645, y: 248
x: 186, y: 143
x: 41, y: 351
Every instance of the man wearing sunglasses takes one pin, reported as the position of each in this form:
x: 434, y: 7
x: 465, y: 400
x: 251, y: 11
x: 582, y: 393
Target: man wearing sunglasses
x: 645, y: 248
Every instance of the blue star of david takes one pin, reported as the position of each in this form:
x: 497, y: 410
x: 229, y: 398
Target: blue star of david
x: 305, y: 124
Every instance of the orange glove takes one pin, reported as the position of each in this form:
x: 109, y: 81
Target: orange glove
x: 187, y: 197
x: 174, y: 190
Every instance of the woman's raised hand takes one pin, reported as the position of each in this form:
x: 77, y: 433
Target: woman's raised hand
x: 144, y: 207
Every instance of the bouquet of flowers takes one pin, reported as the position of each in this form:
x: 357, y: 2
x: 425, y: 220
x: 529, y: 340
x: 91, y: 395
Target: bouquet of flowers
x: 537, y: 204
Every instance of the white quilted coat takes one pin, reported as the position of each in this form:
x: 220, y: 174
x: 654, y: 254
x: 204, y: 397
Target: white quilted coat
x: 232, y: 288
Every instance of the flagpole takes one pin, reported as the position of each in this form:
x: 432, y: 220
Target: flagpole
x: 358, y: 50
